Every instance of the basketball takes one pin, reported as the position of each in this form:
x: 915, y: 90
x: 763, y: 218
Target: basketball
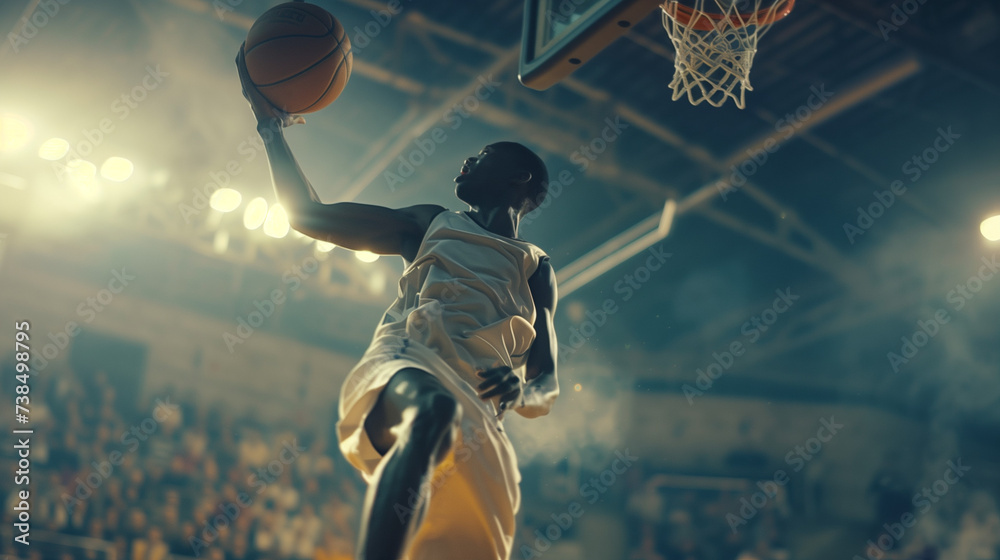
x: 299, y: 57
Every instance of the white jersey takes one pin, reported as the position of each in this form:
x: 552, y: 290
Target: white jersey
x: 463, y: 305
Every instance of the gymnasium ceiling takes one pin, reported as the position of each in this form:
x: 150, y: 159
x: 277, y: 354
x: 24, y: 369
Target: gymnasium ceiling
x: 784, y: 229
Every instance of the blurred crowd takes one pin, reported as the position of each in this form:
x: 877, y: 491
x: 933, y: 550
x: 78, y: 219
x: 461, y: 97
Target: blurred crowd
x: 169, y: 478
x: 689, y: 524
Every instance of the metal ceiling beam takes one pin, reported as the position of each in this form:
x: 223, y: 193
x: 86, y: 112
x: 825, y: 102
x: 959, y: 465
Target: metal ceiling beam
x: 420, y: 21
x: 837, y: 104
x: 822, y: 254
x: 562, y: 143
x: 375, y: 167
x: 818, y: 316
x: 28, y: 10
x: 982, y: 71
x: 361, y: 67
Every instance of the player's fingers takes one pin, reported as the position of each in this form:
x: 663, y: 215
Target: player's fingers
x: 491, y: 374
x: 499, y: 370
x: 500, y: 389
x: 487, y: 383
x: 507, y: 385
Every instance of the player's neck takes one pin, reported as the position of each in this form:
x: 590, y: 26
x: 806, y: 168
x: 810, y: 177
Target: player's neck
x: 501, y: 221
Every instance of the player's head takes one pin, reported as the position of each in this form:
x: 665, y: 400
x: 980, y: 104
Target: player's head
x: 503, y: 174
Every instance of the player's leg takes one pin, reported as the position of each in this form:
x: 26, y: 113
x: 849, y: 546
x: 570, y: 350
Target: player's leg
x: 412, y: 424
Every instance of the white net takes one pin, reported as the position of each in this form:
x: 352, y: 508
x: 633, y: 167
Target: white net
x: 715, y: 42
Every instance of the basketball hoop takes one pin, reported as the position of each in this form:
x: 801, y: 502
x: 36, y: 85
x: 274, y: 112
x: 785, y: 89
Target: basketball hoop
x: 715, y: 42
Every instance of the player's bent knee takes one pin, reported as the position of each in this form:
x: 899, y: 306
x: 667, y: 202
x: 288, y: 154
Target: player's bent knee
x: 437, y: 408
x: 437, y: 419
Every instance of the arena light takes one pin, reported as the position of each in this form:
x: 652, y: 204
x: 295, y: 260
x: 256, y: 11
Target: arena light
x: 377, y: 282
x: 221, y: 241
x: 366, y: 256
x: 255, y: 213
x: 15, y: 132
x: 53, y: 149
x: 225, y: 199
x: 990, y: 228
x: 324, y: 246
x: 159, y: 178
x: 117, y: 169
x: 13, y: 181
x: 82, y: 175
x: 276, y: 224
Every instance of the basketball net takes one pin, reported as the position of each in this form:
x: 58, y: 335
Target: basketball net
x: 715, y: 42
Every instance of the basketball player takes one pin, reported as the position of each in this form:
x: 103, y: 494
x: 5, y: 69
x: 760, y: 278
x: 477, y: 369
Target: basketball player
x: 469, y: 337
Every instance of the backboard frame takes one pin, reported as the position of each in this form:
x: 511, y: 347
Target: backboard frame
x: 607, y: 22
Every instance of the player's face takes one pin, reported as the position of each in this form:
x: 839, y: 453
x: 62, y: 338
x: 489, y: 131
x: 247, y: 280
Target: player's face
x: 491, y: 178
x: 479, y: 176
x: 472, y: 164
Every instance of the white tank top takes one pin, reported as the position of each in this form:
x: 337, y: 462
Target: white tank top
x: 465, y: 296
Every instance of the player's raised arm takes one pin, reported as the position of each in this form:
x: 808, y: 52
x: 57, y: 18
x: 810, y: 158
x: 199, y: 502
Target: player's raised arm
x: 360, y: 227
x: 542, y: 385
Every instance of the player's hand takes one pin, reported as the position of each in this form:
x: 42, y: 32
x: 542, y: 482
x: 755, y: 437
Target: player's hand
x: 263, y: 110
x: 504, y: 382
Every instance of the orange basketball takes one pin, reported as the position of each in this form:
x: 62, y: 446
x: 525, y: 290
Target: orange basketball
x: 298, y: 56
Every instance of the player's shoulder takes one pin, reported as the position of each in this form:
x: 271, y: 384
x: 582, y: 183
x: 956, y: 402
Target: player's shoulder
x: 423, y: 214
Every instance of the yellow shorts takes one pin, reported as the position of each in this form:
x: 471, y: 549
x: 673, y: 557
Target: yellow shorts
x: 474, y: 493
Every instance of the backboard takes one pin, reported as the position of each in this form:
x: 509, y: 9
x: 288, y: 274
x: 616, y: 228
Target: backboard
x: 714, y: 40
x: 561, y: 35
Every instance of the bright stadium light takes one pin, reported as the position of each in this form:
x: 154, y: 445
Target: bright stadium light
x: 255, y: 213
x: 376, y: 284
x: 324, y: 246
x: 15, y: 131
x: 225, y: 199
x: 53, y: 149
x: 159, y: 177
x: 117, y: 169
x: 276, y: 224
x: 990, y: 228
x: 82, y: 175
x: 221, y: 241
x: 366, y: 256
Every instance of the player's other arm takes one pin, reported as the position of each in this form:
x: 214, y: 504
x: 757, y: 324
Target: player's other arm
x: 542, y: 385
